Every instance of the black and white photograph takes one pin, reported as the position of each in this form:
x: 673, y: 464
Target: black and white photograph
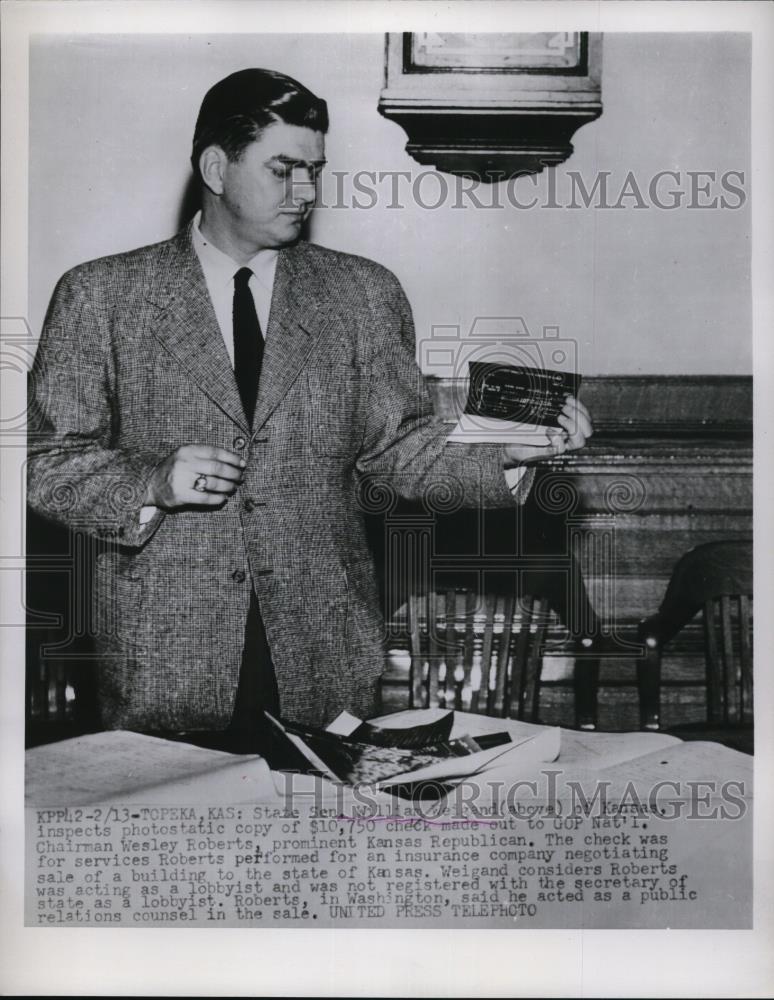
x: 379, y: 479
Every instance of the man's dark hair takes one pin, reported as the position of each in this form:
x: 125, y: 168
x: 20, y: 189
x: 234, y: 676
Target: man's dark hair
x: 236, y: 110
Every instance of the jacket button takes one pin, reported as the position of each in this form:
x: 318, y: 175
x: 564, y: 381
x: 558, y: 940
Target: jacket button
x: 238, y: 576
x: 239, y: 442
x: 249, y: 504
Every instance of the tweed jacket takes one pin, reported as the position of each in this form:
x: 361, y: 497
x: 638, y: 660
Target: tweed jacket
x: 131, y: 365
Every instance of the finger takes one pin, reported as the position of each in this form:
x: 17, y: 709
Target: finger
x: 582, y: 409
x: 205, y: 499
x: 584, y: 420
x: 205, y: 467
x: 211, y: 453
x: 569, y: 424
x: 217, y: 485
x: 558, y: 443
x: 577, y: 426
x: 575, y: 410
x: 574, y: 441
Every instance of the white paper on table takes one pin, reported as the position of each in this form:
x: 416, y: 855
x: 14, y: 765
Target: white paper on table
x: 535, y: 748
x: 691, y: 761
x: 411, y: 717
x: 131, y: 767
x: 242, y: 780
x: 539, y: 745
x: 344, y: 724
x: 599, y: 750
x: 525, y: 753
x: 534, y: 745
x: 464, y: 723
x: 314, y: 789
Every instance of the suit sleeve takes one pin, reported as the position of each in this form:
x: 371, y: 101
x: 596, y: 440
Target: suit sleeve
x: 404, y: 447
x: 76, y: 474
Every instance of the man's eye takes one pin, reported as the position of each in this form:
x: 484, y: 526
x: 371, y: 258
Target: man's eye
x: 282, y: 173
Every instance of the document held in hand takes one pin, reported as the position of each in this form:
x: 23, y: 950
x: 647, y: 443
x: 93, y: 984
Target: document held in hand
x: 511, y: 404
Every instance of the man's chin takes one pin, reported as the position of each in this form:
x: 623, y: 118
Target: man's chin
x: 291, y: 231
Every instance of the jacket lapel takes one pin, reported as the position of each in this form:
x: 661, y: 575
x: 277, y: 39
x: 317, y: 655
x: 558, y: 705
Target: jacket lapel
x: 187, y: 327
x: 299, y: 314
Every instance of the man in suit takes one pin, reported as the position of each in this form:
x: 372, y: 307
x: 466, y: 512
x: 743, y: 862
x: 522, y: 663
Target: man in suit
x: 220, y: 409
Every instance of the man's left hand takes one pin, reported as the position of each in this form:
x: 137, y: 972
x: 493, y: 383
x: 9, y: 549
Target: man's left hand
x: 575, y: 428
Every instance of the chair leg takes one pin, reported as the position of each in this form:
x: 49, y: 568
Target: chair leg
x: 586, y: 687
x: 649, y: 685
x: 534, y: 666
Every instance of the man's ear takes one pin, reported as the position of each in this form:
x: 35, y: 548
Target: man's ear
x: 212, y: 164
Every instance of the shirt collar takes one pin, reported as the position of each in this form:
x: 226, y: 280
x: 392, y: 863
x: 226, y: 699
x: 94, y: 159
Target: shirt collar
x: 219, y: 269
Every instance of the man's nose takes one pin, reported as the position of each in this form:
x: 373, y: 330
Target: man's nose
x: 303, y: 187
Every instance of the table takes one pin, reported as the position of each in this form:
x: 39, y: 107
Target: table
x: 128, y: 830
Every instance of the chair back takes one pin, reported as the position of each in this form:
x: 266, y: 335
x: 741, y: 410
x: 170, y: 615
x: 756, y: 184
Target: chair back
x: 728, y: 654
x: 477, y: 652
x: 715, y: 579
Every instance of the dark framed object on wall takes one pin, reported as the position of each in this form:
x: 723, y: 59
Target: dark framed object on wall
x: 492, y: 106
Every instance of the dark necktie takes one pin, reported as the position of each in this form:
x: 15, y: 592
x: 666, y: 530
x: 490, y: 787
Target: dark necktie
x: 257, y: 688
x: 248, y: 342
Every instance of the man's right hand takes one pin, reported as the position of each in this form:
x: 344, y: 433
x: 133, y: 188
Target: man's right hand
x: 217, y: 471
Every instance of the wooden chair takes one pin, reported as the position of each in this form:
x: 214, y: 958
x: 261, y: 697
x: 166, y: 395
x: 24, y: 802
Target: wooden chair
x: 715, y: 580
x: 477, y: 653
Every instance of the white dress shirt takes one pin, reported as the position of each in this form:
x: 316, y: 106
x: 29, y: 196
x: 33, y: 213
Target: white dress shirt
x: 219, y: 270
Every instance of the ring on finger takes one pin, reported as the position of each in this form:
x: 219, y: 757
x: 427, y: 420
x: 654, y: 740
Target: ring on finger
x: 200, y: 485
